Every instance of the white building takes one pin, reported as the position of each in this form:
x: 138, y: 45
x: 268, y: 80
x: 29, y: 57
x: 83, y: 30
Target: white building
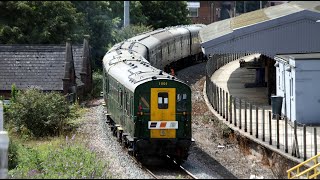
x: 297, y: 78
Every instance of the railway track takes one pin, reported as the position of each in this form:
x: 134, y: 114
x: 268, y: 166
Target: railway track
x: 168, y: 171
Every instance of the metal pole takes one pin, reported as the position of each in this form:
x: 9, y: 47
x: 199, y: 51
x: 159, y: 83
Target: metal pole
x: 1, y: 116
x: 260, y: 4
x: 126, y: 14
x: 4, y: 145
x: 235, y: 8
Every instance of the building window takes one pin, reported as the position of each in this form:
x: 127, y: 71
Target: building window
x: 193, y: 12
x: 193, y: 8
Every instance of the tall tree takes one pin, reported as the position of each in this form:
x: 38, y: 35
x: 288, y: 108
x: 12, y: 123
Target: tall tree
x: 98, y: 23
x: 37, y: 21
x: 165, y: 13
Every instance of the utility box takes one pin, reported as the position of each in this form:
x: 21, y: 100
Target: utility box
x: 276, y: 104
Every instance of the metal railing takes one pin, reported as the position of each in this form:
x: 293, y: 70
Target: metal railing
x: 256, y: 120
x: 310, y: 173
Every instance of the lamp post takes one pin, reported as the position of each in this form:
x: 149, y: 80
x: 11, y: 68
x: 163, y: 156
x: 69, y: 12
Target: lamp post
x: 126, y: 14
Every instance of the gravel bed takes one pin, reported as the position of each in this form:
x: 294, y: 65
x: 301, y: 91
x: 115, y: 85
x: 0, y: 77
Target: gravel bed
x: 101, y: 140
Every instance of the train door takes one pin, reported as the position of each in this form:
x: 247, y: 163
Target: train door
x: 163, y: 122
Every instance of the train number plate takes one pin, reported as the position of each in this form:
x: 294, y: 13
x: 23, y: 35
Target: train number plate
x: 163, y: 124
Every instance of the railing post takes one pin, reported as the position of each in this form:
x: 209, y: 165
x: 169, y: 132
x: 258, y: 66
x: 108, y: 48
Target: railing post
x: 245, y: 116
x: 278, y: 138
x: 227, y: 106
x: 230, y: 109
x: 270, y: 130
x: 315, y: 141
x: 250, y: 123
x: 304, y: 142
x: 235, y: 111
x: 240, y: 123
x: 217, y: 98
x: 263, y: 124
x: 220, y: 93
x: 257, y: 122
x: 223, y: 104
x: 286, y: 134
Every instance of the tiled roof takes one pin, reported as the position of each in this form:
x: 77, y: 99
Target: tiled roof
x: 40, y: 66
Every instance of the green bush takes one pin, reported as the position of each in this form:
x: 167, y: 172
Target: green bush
x: 12, y: 154
x: 62, y: 161
x: 38, y: 114
x: 97, y: 83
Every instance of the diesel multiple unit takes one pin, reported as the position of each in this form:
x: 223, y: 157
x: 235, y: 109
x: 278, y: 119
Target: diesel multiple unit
x: 148, y: 109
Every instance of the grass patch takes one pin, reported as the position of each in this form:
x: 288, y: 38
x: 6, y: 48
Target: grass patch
x: 57, y: 158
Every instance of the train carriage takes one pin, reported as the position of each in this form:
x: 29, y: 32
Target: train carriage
x: 149, y: 110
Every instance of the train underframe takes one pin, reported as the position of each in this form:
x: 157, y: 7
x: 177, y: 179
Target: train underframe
x: 148, y: 151
x: 185, y: 62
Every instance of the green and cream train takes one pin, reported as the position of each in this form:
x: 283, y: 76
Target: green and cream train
x: 148, y: 109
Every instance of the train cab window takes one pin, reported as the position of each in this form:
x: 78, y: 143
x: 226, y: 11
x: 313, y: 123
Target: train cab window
x: 163, y: 100
x: 181, y: 102
x: 144, y: 103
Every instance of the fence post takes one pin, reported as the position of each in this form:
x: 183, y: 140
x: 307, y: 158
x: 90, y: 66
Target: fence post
x: 240, y: 123
x: 270, y: 130
x: 223, y: 104
x: 315, y: 141
x: 304, y: 142
x: 263, y: 125
x: 216, y: 98
x: 257, y: 121
x: 250, y: 123
x: 235, y: 111
x: 230, y: 109
x: 220, y: 94
x: 278, y: 138
x: 227, y: 106
x: 286, y: 134
x: 245, y: 116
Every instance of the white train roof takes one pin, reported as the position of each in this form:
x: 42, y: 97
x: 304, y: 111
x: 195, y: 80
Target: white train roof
x: 131, y: 69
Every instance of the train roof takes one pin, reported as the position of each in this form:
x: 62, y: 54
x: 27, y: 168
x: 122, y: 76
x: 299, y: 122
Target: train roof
x: 131, y: 69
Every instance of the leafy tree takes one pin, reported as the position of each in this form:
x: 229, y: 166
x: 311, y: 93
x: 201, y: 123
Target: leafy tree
x: 98, y: 23
x: 136, y: 15
x: 128, y: 32
x: 165, y: 13
x: 37, y: 21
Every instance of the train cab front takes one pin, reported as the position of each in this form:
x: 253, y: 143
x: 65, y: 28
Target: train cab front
x: 167, y: 123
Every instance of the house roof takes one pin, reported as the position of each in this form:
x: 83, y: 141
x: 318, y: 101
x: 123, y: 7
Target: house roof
x: 40, y: 66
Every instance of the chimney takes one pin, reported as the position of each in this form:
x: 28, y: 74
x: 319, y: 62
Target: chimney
x: 69, y: 72
x: 86, y: 74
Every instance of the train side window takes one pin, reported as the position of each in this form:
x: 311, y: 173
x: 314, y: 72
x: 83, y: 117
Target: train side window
x: 121, y: 98
x: 184, y: 96
x: 163, y: 100
x: 125, y: 101
x: 181, y: 102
